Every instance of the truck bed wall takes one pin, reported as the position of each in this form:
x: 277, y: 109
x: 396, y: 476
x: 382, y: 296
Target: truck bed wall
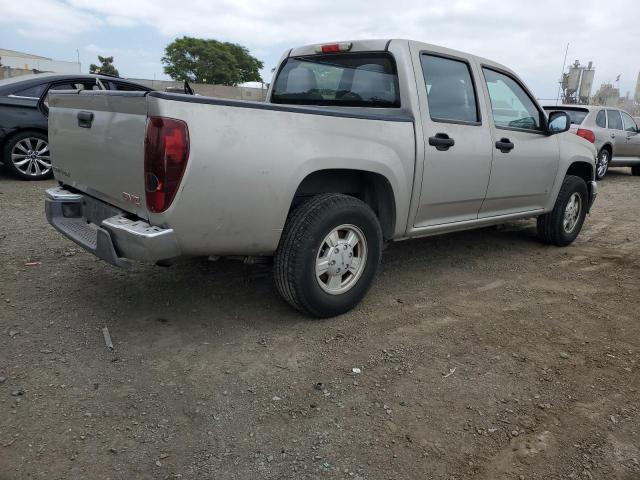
x: 246, y: 163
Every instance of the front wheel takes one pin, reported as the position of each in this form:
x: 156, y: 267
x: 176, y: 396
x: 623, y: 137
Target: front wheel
x: 328, y: 255
x: 562, y: 225
x: 635, y: 171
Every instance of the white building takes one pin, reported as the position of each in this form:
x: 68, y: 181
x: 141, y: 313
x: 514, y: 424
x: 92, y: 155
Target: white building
x: 27, y: 61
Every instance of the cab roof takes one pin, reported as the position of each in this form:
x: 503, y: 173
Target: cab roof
x: 384, y: 44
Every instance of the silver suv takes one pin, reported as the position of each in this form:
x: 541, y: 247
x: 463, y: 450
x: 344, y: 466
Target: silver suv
x: 613, y: 131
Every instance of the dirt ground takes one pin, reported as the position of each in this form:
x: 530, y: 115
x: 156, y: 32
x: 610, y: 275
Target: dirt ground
x: 483, y: 355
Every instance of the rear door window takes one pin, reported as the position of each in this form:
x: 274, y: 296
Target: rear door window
x: 450, y: 90
x: 601, y: 119
x: 350, y: 80
x: 629, y: 123
x: 614, y: 120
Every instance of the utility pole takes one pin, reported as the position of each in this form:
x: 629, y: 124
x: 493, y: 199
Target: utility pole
x: 78, y: 54
x: 564, y: 63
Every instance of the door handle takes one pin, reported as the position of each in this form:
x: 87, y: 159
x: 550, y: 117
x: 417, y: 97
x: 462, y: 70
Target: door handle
x: 505, y: 145
x: 441, y: 141
x: 85, y: 119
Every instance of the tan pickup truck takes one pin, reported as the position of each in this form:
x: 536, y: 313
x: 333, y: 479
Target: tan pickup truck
x: 359, y: 143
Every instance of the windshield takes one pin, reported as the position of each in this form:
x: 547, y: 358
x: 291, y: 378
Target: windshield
x: 350, y: 80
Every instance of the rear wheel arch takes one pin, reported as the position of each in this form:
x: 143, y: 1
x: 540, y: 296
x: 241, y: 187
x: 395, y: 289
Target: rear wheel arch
x: 20, y: 130
x: 609, y: 147
x: 17, y: 131
x: 372, y: 188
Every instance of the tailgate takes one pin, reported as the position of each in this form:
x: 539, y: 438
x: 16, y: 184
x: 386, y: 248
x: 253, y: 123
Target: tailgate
x: 97, y: 145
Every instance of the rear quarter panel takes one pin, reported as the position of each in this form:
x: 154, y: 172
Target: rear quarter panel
x: 245, y: 165
x: 20, y: 114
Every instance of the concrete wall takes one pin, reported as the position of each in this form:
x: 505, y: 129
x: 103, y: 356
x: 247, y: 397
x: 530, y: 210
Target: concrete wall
x: 42, y: 64
x: 8, y: 72
x: 220, y: 91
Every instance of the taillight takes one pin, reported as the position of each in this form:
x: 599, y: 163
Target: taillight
x: 586, y: 134
x: 334, y: 47
x: 166, y: 150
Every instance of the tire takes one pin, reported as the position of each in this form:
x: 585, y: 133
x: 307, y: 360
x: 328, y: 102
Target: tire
x: 306, y: 244
x: 635, y: 171
x: 26, y: 155
x: 561, y: 227
x: 602, y: 163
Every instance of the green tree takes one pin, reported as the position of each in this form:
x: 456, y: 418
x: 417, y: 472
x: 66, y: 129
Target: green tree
x: 210, y: 61
x: 106, y: 66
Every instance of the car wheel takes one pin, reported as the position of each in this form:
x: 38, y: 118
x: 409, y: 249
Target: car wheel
x: 562, y: 225
x: 328, y: 255
x: 27, y: 156
x: 635, y: 171
x: 602, y: 163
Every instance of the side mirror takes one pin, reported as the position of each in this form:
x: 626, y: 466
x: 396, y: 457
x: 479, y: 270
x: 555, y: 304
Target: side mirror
x: 558, y: 122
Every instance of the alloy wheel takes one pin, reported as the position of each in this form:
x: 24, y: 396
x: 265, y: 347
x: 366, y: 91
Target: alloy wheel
x: 341, y: 259
x: 31, y: 156
x: 603, y: 163
x: 572, y: 212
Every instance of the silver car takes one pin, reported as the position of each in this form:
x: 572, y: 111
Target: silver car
x: 614, y: 132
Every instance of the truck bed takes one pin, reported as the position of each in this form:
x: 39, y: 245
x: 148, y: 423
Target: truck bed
x: 245, y: 163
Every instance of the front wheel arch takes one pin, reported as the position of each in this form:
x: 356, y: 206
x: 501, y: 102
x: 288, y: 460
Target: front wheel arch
x: 550, y: 225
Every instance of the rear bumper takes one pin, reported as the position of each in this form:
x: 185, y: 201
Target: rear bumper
x: 106, y: 231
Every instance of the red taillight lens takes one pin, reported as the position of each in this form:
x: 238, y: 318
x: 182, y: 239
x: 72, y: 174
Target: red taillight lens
x: 166, y: 150
x: 586, y: 134
x: 334, y: 47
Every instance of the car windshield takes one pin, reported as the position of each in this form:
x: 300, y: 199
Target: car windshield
x: 576, y: 116
x: 350, y: 80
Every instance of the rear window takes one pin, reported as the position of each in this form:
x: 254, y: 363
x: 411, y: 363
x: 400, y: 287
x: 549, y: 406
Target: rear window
x: 350, y: 80
x: 576, y: 116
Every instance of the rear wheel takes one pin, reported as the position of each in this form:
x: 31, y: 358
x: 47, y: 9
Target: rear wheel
x: 27, y: 155
x: 602, y: 163
x: 635, y: 170
x: 562, y: 225
x: 328, y: 255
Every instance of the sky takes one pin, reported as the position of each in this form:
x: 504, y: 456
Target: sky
x: 530, y: 37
